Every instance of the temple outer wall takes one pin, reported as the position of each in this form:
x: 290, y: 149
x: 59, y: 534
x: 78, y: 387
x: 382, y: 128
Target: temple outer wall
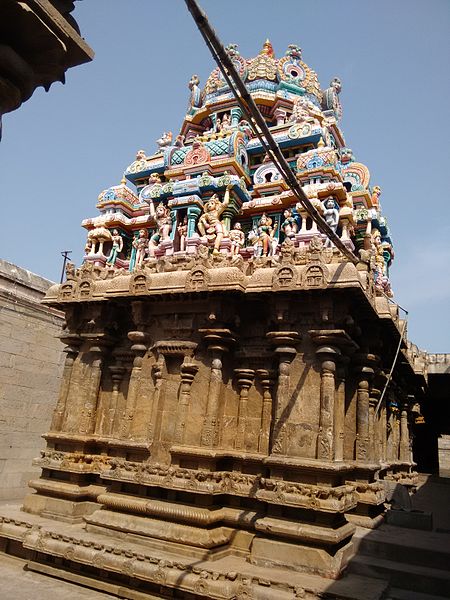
x: 31, y: 361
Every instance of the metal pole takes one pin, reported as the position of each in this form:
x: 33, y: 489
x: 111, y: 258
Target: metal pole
x: 65, y: 255
x: 258, y: 123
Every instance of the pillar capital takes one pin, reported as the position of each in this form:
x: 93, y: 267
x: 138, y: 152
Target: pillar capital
x: 138, y: 341
x: 244, y: 377
x: 266, y: 377
x: 284, y: 343
x: 72, y: 341
x: 335, y: 338
x: 218, y: 339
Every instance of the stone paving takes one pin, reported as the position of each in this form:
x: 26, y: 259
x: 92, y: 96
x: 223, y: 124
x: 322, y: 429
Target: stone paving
x: 21, y: 584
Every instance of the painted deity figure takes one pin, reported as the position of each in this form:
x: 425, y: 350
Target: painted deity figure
x: 376, y: 193
x: 117, y: 245
x: 255, y: 241
x: 304, y: 111
x: 140, y: 155
x: 154, y: 178
x: 140, y: 245
x: 289, y: 226
x: 165, y: 140
x: 163, y: 222
x: 182, y: 229
x: 377, y: 250
x: 226, y: 122
x: 237, y: 238
x: 266, y: 233
x: 195, y: 97
x: 209, y: 223
x: 331, y: 216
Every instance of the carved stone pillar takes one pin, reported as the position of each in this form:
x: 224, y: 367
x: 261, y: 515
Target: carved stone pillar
x: 375, y: 433
x: 267, y: 379
x: 117, y: 372
x: 365, y: 373
x: 339, y: 413
x: 218, y: 342
x: 244, y: 379
x: 89, y: 409
x: 193, y: 214
x: 155, y: 424
x: 404, y: 453
x: 139, y: 348
x: 329, y: 342
x: 380, y: 417
x: 188, y: 371
x: 73, y: 343
x: 328, y: 356
x: 284, y: 343
x: 362, y: 414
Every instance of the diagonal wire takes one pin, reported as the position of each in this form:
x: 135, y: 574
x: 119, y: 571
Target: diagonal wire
x: 259, y: 125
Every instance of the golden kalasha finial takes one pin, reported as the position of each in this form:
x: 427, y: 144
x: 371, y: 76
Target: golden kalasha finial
x: 123, y: 181
x: 267, y: 48
x: 320, y: 143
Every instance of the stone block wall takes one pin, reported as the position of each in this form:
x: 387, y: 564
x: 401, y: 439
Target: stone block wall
x: 31, y: 361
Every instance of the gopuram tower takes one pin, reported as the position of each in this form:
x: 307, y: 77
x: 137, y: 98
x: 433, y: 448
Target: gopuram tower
x: 223, y: 423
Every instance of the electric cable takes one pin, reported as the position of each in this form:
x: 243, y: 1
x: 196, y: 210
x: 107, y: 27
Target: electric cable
x: 259, y: 125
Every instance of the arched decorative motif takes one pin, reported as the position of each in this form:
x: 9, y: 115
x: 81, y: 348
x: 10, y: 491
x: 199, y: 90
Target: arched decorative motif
x: 67, y: 291
x: 358, y: 175
x: 199, y: 155
x: 266, y: 174
x: 139, y: 284
x: 149, y: 192
x: 216, y: 81
x: 84, y: 290
x: 314, y: 277
x: 197, y: 279
x: 284, y: 277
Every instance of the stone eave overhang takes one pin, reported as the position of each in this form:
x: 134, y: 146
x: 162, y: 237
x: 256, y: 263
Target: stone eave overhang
x: 117, y: 220
x: 181, y: 283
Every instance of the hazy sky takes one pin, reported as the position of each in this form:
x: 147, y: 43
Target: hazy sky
x: 61, y: 148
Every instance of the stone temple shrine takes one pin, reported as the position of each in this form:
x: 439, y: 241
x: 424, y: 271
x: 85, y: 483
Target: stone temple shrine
x: 223, y: 423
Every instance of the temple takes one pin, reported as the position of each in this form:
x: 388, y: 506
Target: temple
x: 231, y: 398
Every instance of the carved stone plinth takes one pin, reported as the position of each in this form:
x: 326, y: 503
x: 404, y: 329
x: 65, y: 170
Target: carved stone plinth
x: 182, y: 419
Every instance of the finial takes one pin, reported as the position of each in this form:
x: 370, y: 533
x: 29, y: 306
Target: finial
x: 267, y: 48
x: 320, y: 143
x: 123, y: 181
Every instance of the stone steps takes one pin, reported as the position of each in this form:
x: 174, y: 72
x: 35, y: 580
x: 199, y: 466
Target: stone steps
x: 402, y: 575
x: 398, y: 594
x: 425, y: 549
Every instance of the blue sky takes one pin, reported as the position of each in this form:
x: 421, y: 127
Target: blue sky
x: 61, y: 148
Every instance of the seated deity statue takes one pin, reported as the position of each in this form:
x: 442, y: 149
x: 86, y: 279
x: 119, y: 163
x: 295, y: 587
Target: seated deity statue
x: 237, y: 238
x: 304, y: 112
x: 226, y: 122
x: 209, y: 224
